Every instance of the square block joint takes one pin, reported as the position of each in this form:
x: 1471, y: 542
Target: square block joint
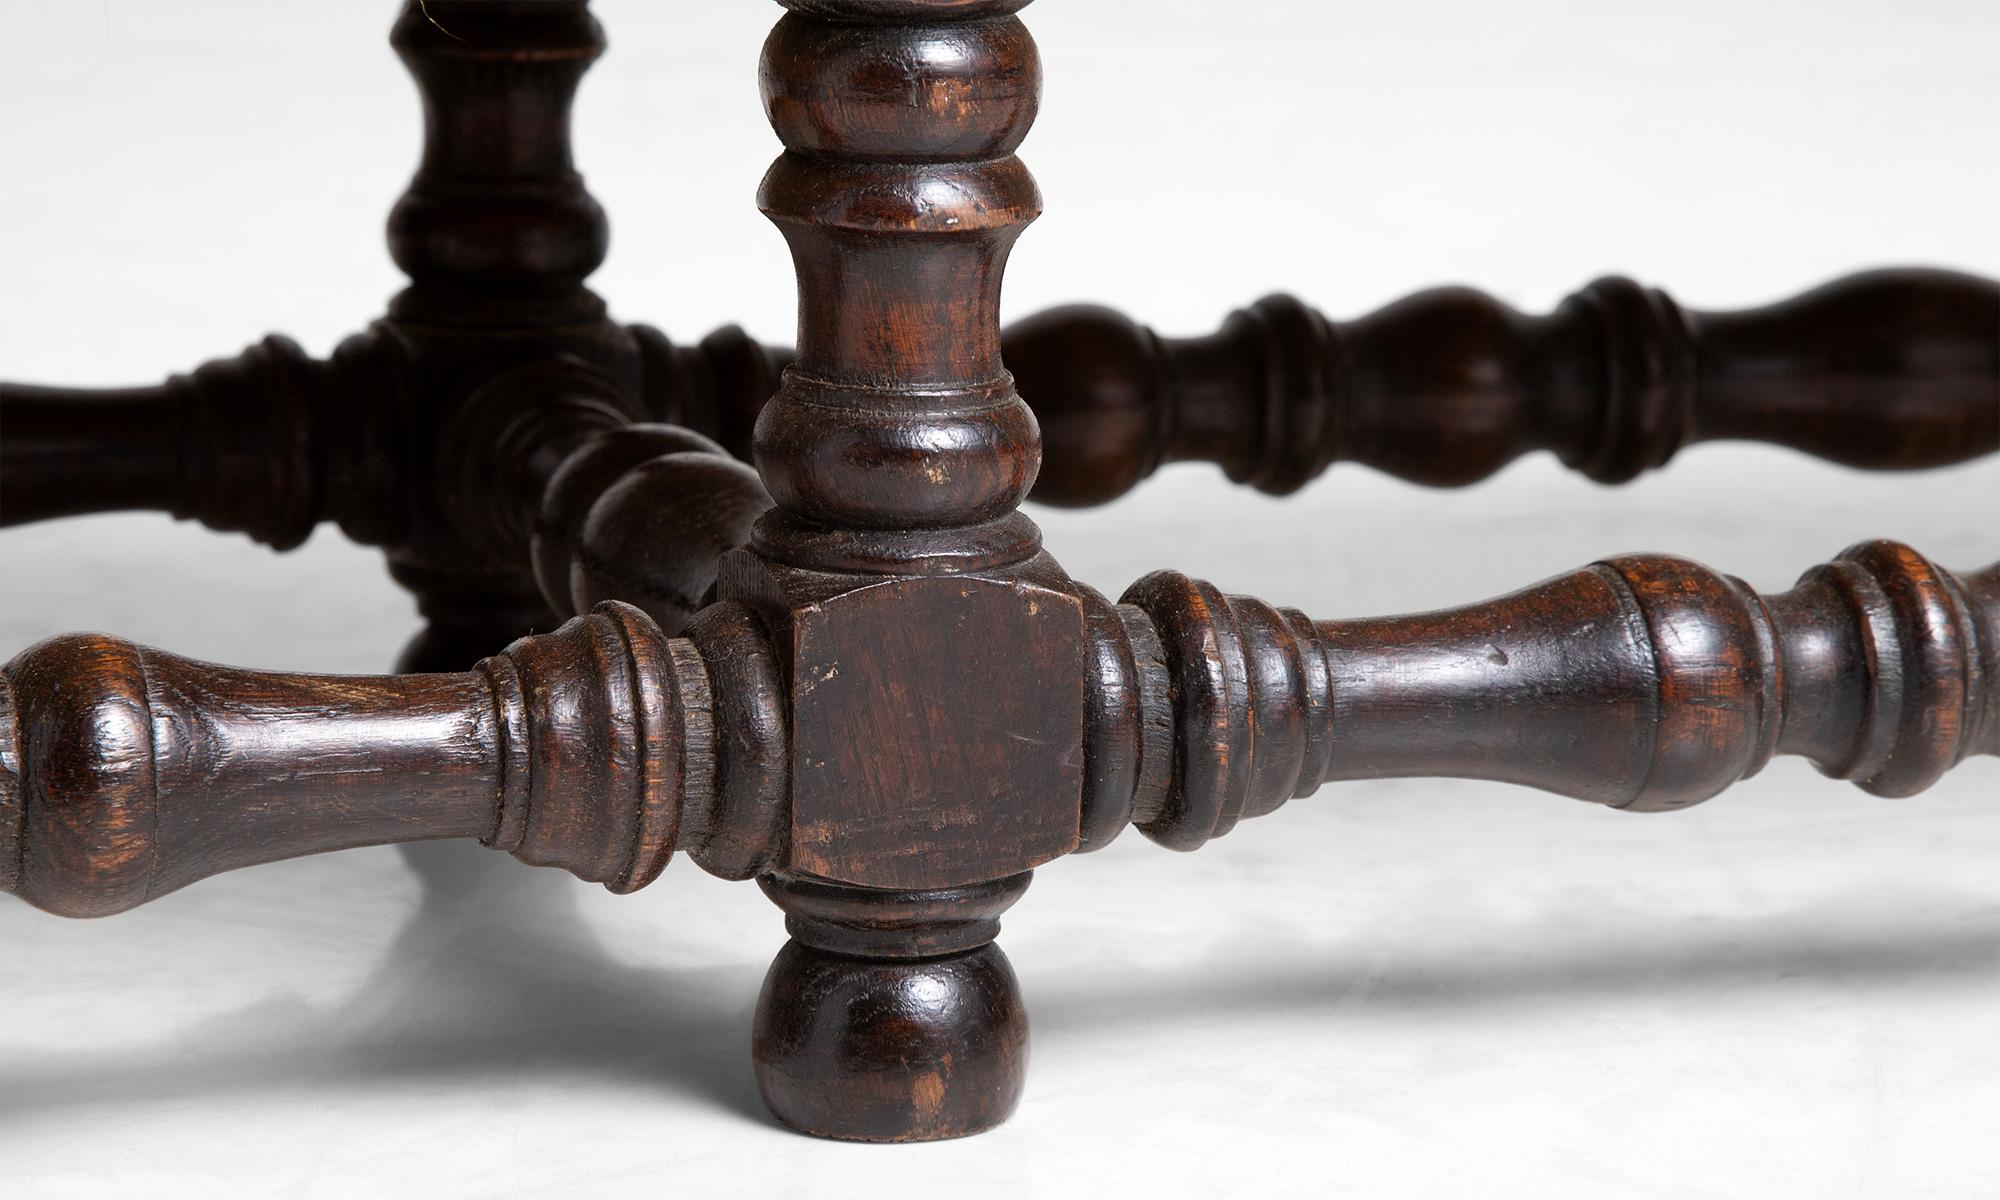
x: 936, y: 721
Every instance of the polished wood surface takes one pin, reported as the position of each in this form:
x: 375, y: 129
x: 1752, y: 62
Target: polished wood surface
x: 933, y: 650
x: 434, y: 432
x: 1888, y: 370
x: 126, y: 773
x: 853, y: 673
x: 1644, y: 683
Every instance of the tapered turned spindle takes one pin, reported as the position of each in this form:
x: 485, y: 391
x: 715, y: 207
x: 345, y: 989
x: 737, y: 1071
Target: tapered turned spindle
x: 496, y: 225
x: 1644, y: 683
x: 268, y: 443
x: 126, y: 773
x: 1891, y: 369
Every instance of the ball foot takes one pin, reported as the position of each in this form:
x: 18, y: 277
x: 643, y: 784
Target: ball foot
x: 891, y: 1050
x: 891, y: 1016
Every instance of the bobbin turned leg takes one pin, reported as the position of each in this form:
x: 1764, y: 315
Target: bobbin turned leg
x: 934, y: 654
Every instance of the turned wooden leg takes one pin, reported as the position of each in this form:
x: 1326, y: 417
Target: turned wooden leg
x: 855, y: 675
x: 269, y: 443
x: 891, y: 1016
x: 1893, y: 369
x: 127, y: 773
x: 1642, y: 683
x: 437, y: 433
x: 1887, y: 370
x: 932, y: 649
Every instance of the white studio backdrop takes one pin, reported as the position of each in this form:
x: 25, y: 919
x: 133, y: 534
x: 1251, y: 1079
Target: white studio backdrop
x: 1425, y: 988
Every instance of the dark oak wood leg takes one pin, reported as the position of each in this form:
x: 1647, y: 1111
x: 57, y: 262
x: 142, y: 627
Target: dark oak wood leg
x: 1893, y: 369
x: 1643, y: 683
x: 269, y: 443
x: 1886, y: 370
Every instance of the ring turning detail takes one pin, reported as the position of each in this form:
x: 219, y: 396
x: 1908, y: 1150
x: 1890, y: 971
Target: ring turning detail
x: 851, y: 671
x: 604, y: 747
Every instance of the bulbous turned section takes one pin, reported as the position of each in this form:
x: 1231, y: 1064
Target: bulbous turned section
x: 126, y: 773
x: 642, y: 514
x: 1644, y: 683
x: 1243, y: 689
x: 546, y: 467
x: 1889, y: 370
x: 1891, y: 667
x: 900, y: 196
x: 496, y: 227
x: 891, y: 1016
x: 935, y: 1048
x: 268, y: 443
x: 931, y: 648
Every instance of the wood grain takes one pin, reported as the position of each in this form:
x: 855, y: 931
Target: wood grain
x: 126, y: 773
x: 1645, y: 683
x: 1887, y: 370
x: 933, y: 651
x: 855, y: 674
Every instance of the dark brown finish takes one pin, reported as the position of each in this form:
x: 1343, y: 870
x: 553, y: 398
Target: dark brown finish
x: 126, y: 773
x: 855, y: 675
x: 1894, y: 369
x: 641, y: 513
x: 1644, y: 683
x: 933, y: 651
x: 269, y: 443
x: 901, y: 1001
x: 432, y: 433
x: 1891, y: 369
